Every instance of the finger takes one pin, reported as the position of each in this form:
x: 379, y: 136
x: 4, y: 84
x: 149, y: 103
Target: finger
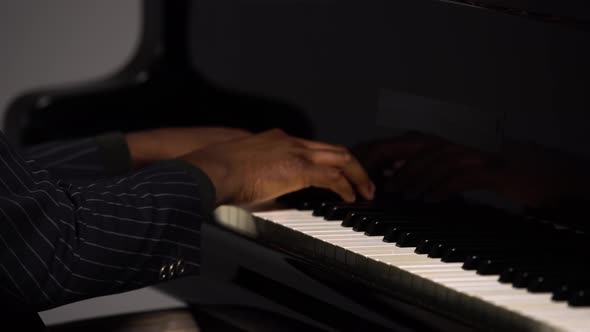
x: 336, y: 158
x: 357, y: 175
x: 273, y: 133
x: 320, y: 145
x: 332, y: 179
x: 238, y: 133
x: 351, y: 168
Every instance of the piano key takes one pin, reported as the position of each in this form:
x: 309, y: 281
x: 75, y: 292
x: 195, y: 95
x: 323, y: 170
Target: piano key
x: 352, y: 218
x: 580, y: 298
x: 494, y: 266
x: 443, y: 282
x: 339, y: 208
x: 362, y: 223
x: 339, y: 211
x: 393, y: 233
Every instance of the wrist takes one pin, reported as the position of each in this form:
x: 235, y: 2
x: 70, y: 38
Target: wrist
x: 142, y: 149
x: 217, y: 173
x: 205, y: 187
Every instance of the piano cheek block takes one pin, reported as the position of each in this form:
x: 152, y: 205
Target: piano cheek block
x: 330, y: 252
x: 320, y: 250
x: 377, y: 271
x: 351, y: 260
x: 340, y: 256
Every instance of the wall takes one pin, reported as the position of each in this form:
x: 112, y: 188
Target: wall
x: 62, y: 41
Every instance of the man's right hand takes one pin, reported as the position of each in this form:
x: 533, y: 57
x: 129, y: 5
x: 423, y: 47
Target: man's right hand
x: 264, y: 166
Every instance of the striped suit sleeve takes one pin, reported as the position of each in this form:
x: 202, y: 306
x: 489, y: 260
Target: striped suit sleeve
x: 89, y: 158
x: 62, y: 242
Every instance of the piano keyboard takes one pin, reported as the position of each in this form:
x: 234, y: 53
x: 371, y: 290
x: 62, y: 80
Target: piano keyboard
x: 430, y: 281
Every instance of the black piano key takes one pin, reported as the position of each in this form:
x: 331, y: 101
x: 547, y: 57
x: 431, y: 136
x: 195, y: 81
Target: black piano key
x: 482, y: 260
x: 378, y: 226
x: 547, y: 278
x: 353, y: 217
x: 543, y: 284
x: 462, y: 239
x: 507, y: 274
x: 439, y: 249
x: 494, y: 266
x: 307, y: 205
x: 394, y: 232
x: 424, y: 246
x: 474, y: 261
x: 563, y: 267
x: 461, y: 252
x: 339, y: 211
x: 323, y: 207
x: 512, y: 270
x: 565, y: 289
x: 362, y: 223
x: 457, y: 254
x: 564, y: 284
x: 413, y: 237
x: 523, y: 278
x: 580, y: 298
x: 562, y: 292
x: 408, y: 239
x: 308, y: 199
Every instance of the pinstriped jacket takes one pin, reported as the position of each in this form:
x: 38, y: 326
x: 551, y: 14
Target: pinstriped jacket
x: 75, y: 222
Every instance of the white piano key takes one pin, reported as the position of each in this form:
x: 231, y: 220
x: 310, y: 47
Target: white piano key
x: 446, y: 283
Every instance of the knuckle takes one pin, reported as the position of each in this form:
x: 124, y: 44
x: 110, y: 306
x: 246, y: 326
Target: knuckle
x: 346, y: 155
x: 313, y: 156
x: 340, y: 147
x: 278, y: 132
x: 333, y: 174
x: 298, y: 163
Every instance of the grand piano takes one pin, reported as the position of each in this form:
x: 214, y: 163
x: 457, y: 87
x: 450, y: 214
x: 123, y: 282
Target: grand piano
x: 478, y: 72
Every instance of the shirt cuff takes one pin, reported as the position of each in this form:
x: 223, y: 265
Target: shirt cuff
x: 206, y: 187
x: 114, y: 153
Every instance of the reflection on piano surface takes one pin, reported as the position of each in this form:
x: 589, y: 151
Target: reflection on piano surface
x: 472, y: 264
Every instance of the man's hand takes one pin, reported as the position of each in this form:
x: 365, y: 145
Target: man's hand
x: 168, y: 143
x: 431, y: 167
x: 264, y: 166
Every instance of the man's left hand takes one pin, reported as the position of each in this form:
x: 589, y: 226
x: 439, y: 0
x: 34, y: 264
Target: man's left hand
x: 153, y: 145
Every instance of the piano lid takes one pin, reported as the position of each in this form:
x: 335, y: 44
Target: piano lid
x: 570, y: 12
